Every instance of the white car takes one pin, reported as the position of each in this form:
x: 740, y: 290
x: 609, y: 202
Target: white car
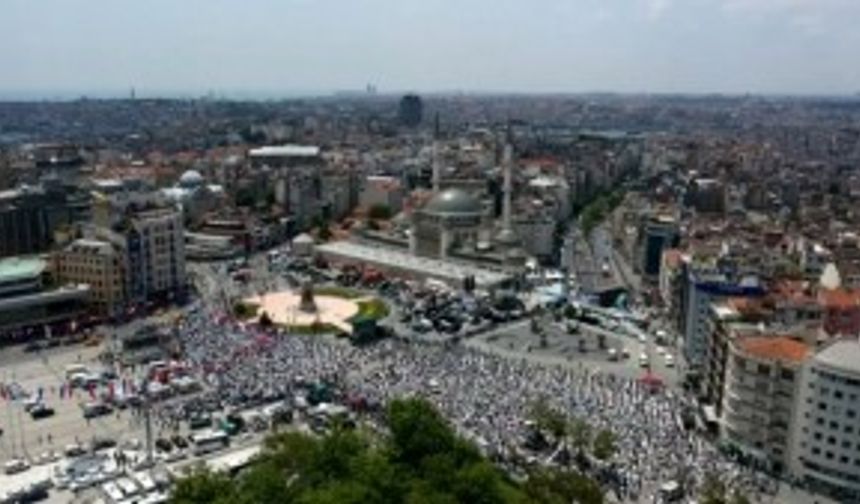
x: 16, y: 466
x: 643, y: 360
x: 642, y: 339
x: 670, y: 361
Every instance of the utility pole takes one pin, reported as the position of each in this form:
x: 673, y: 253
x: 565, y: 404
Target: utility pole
x: 147, y: 411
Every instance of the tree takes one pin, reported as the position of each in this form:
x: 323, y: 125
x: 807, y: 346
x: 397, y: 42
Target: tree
x: 549, y: 419
x: 266, y: 320
x: 604, y: 445
x: 379, y: 212
x: 555, y: 486
x: 714, y: 491
x: 580, y: 434
x: 420, y: 461
x: 203, y: 487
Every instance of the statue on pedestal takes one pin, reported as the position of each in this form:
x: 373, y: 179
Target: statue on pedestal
x: 307, y: 303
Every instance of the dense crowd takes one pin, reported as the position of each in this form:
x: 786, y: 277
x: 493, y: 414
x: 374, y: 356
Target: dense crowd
x: 487, y: 397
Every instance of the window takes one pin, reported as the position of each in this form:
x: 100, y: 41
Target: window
x: 834, y: 425
x: 843, y: 459
x: 837, y: 394
x: 831, y: 440
x: 817, y: 436
x: 850, y: 413
x: 846, y: 444
x: 822, y: 406
x: 787, y: 374
x: 816, y: 450
x: 763, y: 369
x: 828, y: 455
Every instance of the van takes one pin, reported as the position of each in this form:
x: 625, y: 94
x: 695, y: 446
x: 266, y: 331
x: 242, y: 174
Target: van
x: 643, y: 360
x: 76, y: 369
x: 613, y: 354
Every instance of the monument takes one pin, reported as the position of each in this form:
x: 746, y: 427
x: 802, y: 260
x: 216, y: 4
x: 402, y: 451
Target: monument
x: 307, y: 303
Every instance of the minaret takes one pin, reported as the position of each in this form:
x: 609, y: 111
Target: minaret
x: 437, y: 169
x: 507, y: 235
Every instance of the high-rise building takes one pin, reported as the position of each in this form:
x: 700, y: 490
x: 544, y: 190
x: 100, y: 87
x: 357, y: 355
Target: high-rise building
x: 700, y: 287
x: 24, y: 224
x: 155, y: 247
x: 659, y: 233
x: 411, y: 110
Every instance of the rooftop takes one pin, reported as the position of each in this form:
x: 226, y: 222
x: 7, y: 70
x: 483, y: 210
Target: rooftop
x: 453, y: 201
x: 842, y: 354
x: 20, y: 268
x: 289, y: 150
x: 779, y: 348
x: 449, y: 271
x: 839, y: 298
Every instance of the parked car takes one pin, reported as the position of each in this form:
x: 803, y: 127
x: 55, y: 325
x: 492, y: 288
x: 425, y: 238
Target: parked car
x: 93, y: 410
x: 16, y: 466
x: 41, y: 411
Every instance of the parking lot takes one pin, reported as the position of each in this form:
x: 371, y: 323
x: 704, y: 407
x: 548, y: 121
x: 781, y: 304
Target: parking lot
x: 24, y: 437
x: 582, y: 348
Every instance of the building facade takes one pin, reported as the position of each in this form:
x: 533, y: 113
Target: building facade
x: 155, y: 247
x: 27, y: 301
x: 763, y: 373
x: 827, y: 431
x: 102, y: 266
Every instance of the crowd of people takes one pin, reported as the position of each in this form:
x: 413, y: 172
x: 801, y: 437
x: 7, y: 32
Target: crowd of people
x: 488, y: 398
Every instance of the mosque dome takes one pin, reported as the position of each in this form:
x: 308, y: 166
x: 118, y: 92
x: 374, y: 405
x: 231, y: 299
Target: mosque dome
x: 191, y: 179
x: 453, y: 202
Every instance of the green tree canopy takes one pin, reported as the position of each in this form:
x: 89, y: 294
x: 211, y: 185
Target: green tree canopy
x: 420, y: 461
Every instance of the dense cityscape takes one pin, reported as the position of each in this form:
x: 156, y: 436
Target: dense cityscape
x: 600, y: 298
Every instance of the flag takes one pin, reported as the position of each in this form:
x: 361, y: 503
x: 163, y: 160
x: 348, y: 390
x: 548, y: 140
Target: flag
x: 41, y: 393
x: 92, y: 388
x: 110, y: 390
x: 62, y: 390
x: 2, y: 391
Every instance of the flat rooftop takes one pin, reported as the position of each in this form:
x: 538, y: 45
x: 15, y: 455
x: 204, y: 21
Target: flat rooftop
x: 289, y: 150
x: 428, y: 267
x: 843, y: 355
x: 20, y: 268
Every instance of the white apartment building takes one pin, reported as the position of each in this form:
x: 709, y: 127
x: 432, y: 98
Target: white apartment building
x: 759, y: 398
x: 826, y: 452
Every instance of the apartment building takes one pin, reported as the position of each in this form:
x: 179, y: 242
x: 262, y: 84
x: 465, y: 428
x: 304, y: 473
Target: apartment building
x: 102, y: 266
x: 763, y: 374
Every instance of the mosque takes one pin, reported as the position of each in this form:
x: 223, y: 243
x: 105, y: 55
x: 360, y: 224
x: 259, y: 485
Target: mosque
x: 456, y: 222
x: 194, y: 196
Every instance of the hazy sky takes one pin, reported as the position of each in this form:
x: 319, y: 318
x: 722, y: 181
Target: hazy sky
x: 736, y: 46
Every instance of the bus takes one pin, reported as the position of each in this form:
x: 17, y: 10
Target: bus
x: 209, y: 441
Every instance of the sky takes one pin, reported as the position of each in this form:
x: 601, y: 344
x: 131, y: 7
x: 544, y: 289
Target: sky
x: 288, y: 47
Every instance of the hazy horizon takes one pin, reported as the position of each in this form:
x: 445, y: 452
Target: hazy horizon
x: 270, y: 49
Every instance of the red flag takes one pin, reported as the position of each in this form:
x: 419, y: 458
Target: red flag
x: 3, y: 391
x: 110, y: 391
x: 92, y: 391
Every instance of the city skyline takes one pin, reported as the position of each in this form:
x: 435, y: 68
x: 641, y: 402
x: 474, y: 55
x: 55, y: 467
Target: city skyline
x: 63, y: 49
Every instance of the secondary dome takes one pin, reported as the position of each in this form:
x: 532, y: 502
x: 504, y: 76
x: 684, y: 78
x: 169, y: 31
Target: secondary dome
x: 191, y: 179
x: 453, y: 201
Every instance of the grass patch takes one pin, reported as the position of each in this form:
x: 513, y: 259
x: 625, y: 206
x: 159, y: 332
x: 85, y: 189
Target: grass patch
x: 374, y: 309
x: 335, y: 291
x: 245, y: 311
x: 321, y: 328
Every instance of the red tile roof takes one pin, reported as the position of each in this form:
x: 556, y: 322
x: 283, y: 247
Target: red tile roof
x: 779, y: 348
